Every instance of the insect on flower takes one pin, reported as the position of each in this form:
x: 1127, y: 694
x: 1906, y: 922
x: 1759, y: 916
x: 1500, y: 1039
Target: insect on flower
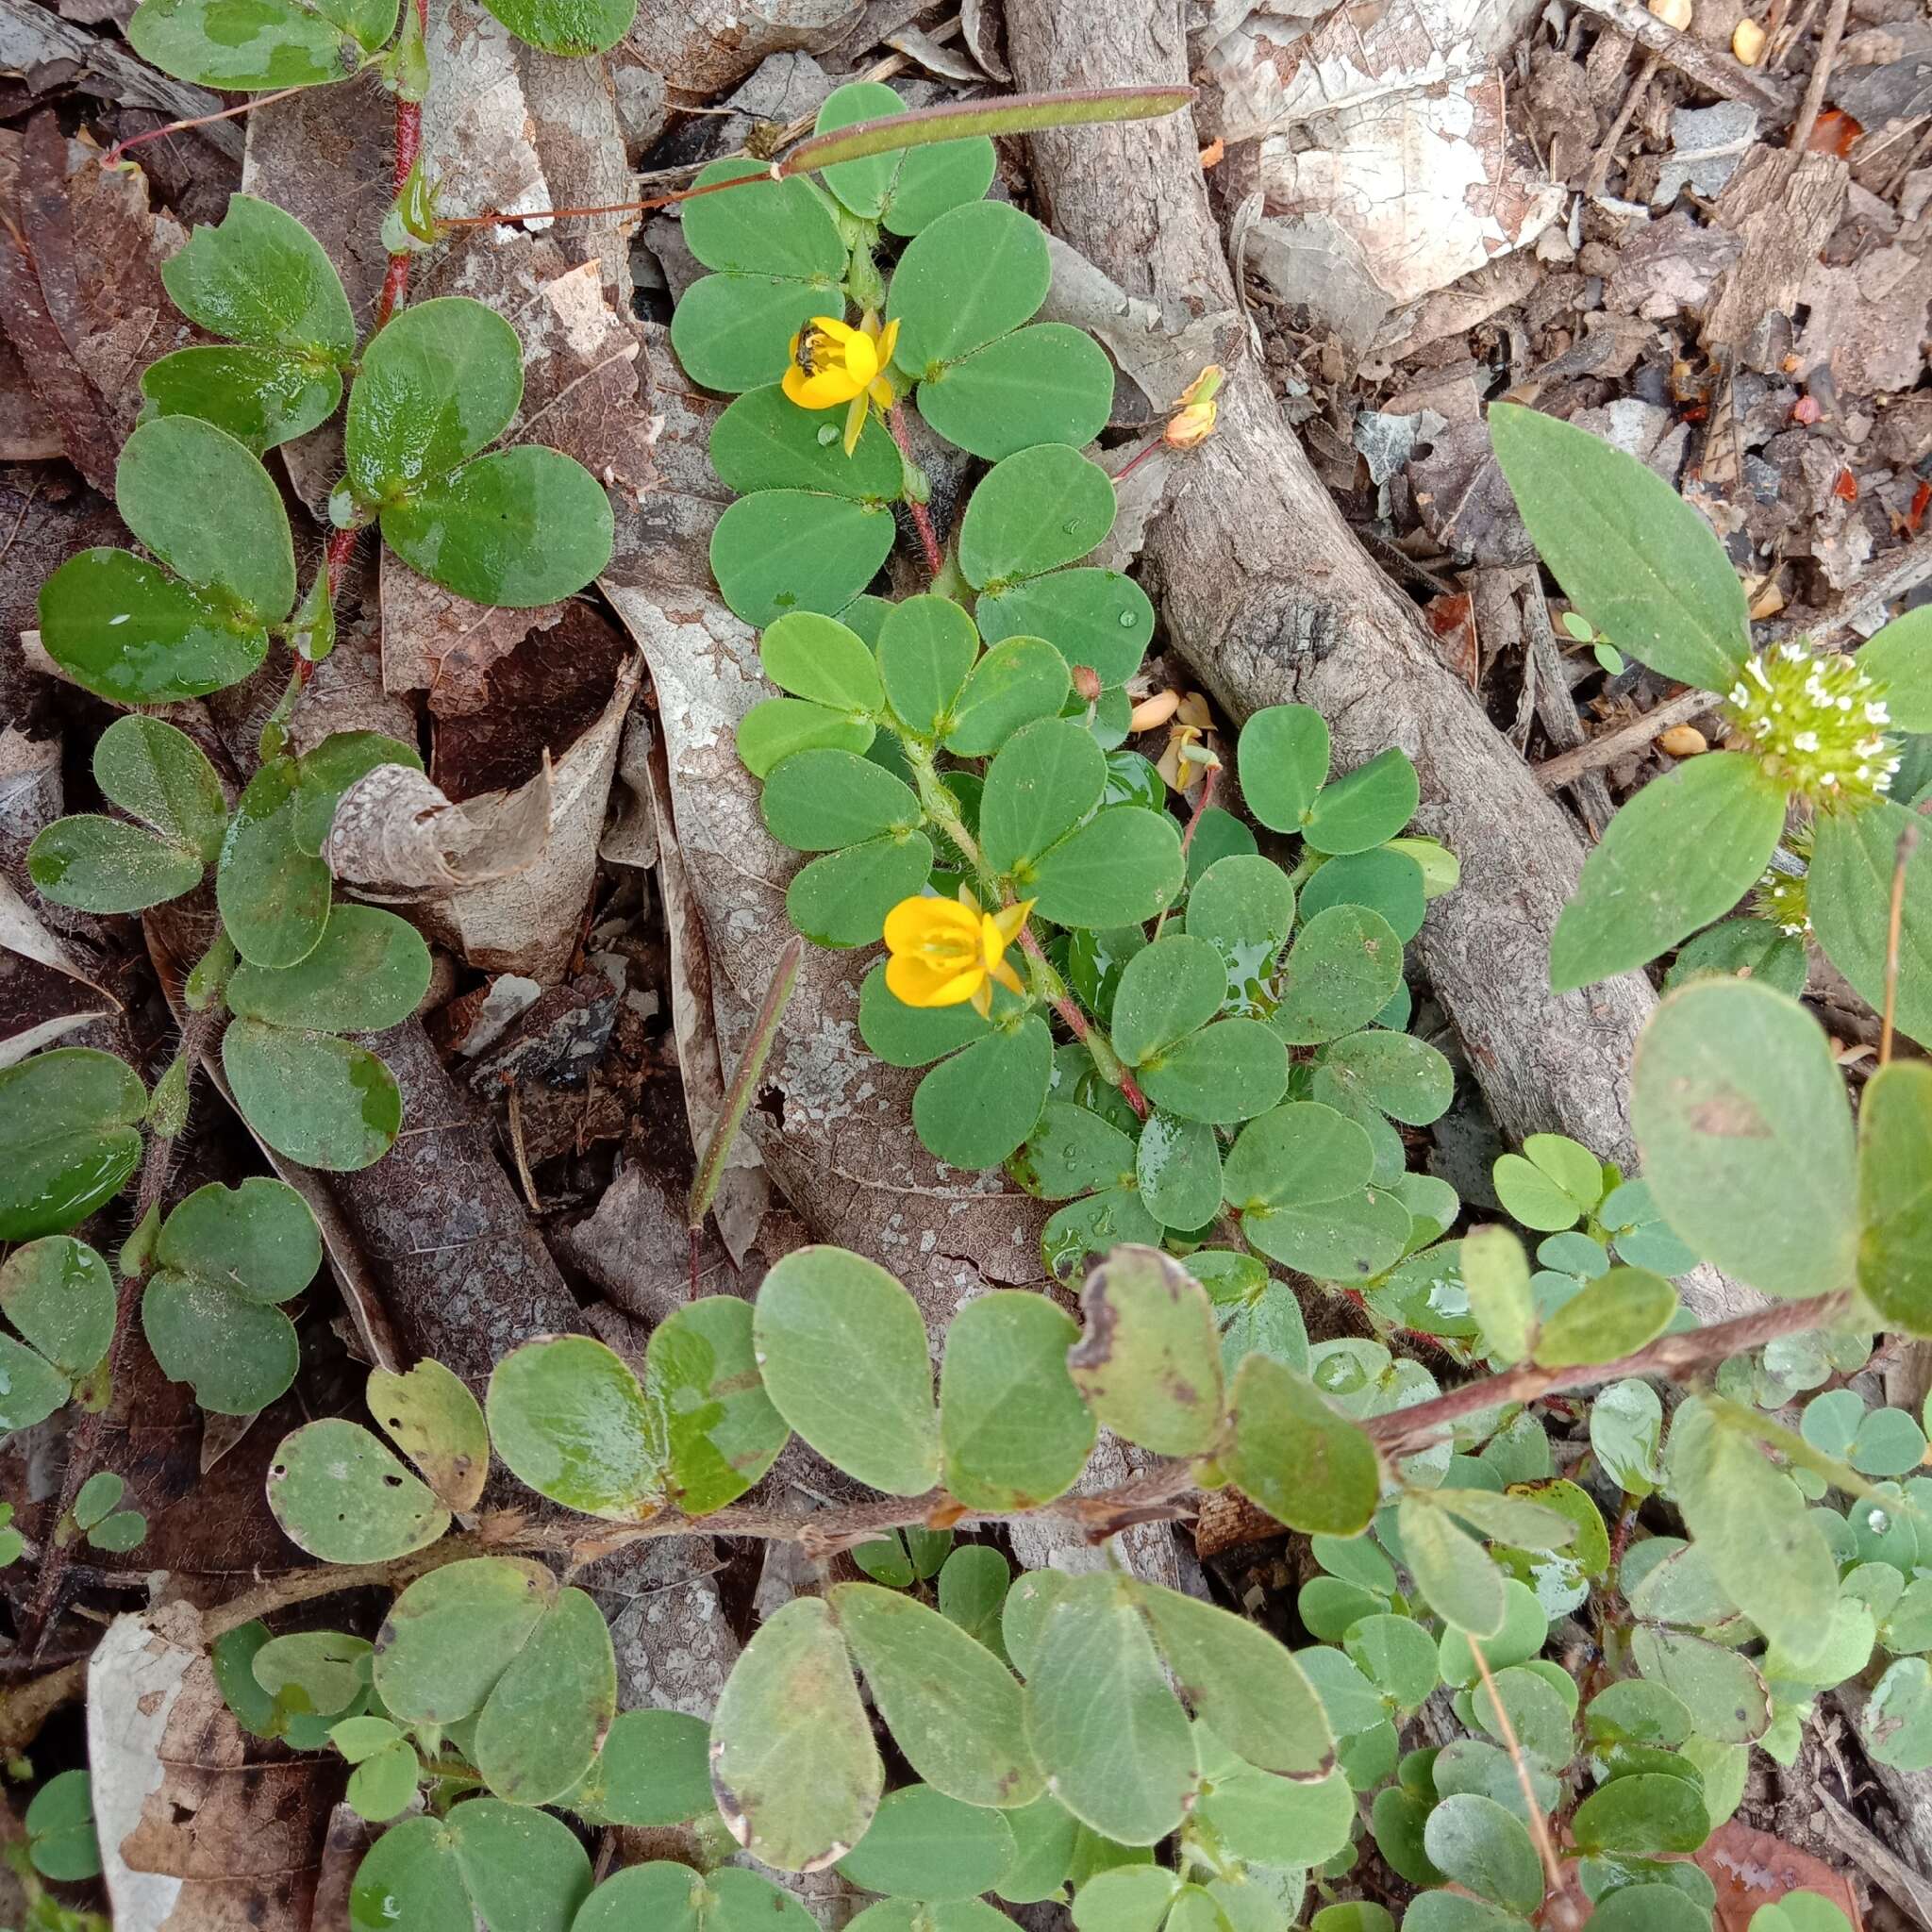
x: 832, y: 362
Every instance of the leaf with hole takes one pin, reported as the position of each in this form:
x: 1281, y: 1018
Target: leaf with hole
x: 430, y: 1416
x: 340, y: 1495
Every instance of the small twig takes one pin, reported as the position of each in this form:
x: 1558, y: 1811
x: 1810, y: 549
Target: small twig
x: 1568, y: 766
x: 1828, y: 38
x: 1606, y: 148
x: 1402, y: 1431
x: 1539, y: 1825
x: 1908, y: 844
x: 134, y: 140
x: 516, y: 1144
x: 1687, y: 54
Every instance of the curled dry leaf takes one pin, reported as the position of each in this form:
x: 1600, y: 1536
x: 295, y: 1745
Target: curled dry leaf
x: 42, y: 993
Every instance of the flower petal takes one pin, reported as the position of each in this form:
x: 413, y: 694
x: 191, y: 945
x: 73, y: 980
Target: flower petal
x: 914, y: 924
x: 1009, y: 918
x: 825, y: 390
x: 840, y: 331
x: 912, y: 981
x: 889, y: 337
x: 854, y: 422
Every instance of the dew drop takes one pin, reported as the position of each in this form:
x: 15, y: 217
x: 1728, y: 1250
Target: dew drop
x: 1069, y: 525
x: 1126, y: 620
x: 828, y: 435
x: 1878, y: 1521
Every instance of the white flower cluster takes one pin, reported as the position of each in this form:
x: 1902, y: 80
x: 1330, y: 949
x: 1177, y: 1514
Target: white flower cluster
x: 1818, y: 723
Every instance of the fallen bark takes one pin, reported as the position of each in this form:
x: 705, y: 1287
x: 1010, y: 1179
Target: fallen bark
x: 1270, y: 599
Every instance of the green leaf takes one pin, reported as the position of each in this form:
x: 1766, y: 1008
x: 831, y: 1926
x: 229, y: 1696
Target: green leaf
x: 1094, y: 1225
x: 382, y: 1785
x: 1014, y: 1431
x: 1481, y: 1846
x: 1045, y: 1832
x: 904, y: 1036
x: 340, y: 1495
x: 451, y: 1635
x: 969, y: 277
x: 1551, y: 1184
x: 549, y: 1710
x: 259, y: 276
x: 1895, y: 1195
x: 1721, y: 1690
x: 1740, y: 948
x: 764, y: 441
x: 60, y: 1829
x: 1177, y: 1165
x: 105, y: 865
x: 1041, y: 784
x: 1397, y: 1654
x: 518, y: 528
x: 1122, y: 866
x: 57, y: 1291
x: 776, y: 727
x: 159, y: 775
x: 1661, y: 1907
x: 1275, y: 1821
x: 721, y: 1431
x: 1383, y: 879
x: 1613, y: 1317
x: 1242, y: 1683
x: 1243, y: 906
x: 1496, y: 1276
x: 1739, y: 1112
x: 211, y: 514
x: 33, y: 1390
x: 1149, y: 1361
x: 369, y: 970
x: 1405, y: 1077
x: 438, y: 382
x: 1071, y: 1151
x: 1677, y: 856
x: 1101, y: 1720
x: 68, y: 1138
x: 1018, y: 681
x: 273, y: 896
x: 1900, y: 658
x: 843, y: 1354
x: 1045, y: 507
x: 1231, y: 1070
x: 1168, y: 990
x: 1343, y: 968
x: 1896, y: 1723
x: 1638, y: 562
x: 254, y: 45
x: 953, y: 1707
x: 1127, y: 1898
x: 1283, y: 760
x: 1648, y: 1813
x: 975, y: 1109
x: 569, y: 1419
x: 1097, y: 617
x: 792, y: 1762
x: 1751, y: 1528
x: 925, y: 650
x: 734, y: 331
x: 784, y: 550
x: 1365, y: 806
x: 1352, y: 1240
x: 1853, y: 863
x: 973, y: 1587
x: 926, y: 1845
x: 842, y: 899
x: 321, y: 1100
x: 903, y: 188
x: 1295, y: 1457
x: 671, y: 1897
x: 569, y: 29
x: 505, y: 1867
x: 1539, y: 1701
x: 1297, y: 1154
x: 654, y: 1769
x: 125, y: 630
x: 1625, y: 1432
x: 1049, y: 383
x: 1455, y: 1576
x: 260, y: 397
x: 433, y: 1418
x: 818, y: 801
x: 775, y: 228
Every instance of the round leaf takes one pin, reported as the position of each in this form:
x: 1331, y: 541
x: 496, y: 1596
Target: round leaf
x: 1296, y: 1458
x: 273, y: 897
x: 567, y: 28
x: 319, y: 1099
x: 433, y: 1418
x: 258, y: 1241
x: 1018, y: 681
x: 1122, y: 866
x: 1283, y: 760
x: 1042, y: 783
x: 1049, y: 383
x: 451, y: 1634
x: 261, y: 397
x: 160, y: 776
x: 820, y: 800
x: 722, y: 1433
x: 1014, y: 1430
x: 105, y: 865
x: 1361, y: 810
x: 549, y: 1710
x: 969, y: 277
x: 1178, y: 1164
x: 1611, y: 1318
x: 842, y: 899
x: 1149, y: 1361
x: 567, y: 1417
x: 505, y: 1867
x: 767, y: 228
x: 842, y: 1350
x: 369, y: 971
x: 654, y: 1769
x: 924, y: 1844
x: 1230, y: 1071
x: 338, y: 1493
x: 975, y: 1109
x: 1343, y: 968
x: 68, y: 1138
x: 1045, y: 507
x: 764, y: 441
x: 784, y: 550
x: 57, y: 1291
x: 674, y: 1898
x: 259, y: 276
x: 1166, y: 991
x: 1097, y: 618
x: 254, y: 45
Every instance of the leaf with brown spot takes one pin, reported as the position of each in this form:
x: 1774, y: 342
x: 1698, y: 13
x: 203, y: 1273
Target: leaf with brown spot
x: 1149, y: 1363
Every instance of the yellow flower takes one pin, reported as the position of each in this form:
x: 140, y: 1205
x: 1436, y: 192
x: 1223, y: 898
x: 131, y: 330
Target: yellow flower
x: 1195, y: 421
x: 832, y: 362
x: 943, y: 955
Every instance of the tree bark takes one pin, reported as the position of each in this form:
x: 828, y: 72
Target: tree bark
x: 1270, y: 599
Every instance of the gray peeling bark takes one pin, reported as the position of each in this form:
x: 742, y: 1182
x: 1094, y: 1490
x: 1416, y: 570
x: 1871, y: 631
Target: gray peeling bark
x: 1269, y: 598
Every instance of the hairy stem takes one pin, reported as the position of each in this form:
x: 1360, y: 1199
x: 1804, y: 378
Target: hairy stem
x: 922, y: 522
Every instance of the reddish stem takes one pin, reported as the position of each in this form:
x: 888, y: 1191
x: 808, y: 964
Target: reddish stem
x: 135, y: 141
x: 1201, y: 804
x: 396, y: 283
x: 1120, y: 476
x: 929, y: 543
x: 1069, y: 1011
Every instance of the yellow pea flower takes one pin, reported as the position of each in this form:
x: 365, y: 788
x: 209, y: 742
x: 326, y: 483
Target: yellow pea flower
x: 1198, y: 409
x: 943, y: 953
x: 832, y: 362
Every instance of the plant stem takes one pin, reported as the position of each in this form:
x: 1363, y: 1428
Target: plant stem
x: 1211, y: 777
x: 121, y: 148
x: 922, y: 522
x: 1539, y: 1825
x: 1908, y: 844
x: 1402, y: 1431
x: 396, y: 283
